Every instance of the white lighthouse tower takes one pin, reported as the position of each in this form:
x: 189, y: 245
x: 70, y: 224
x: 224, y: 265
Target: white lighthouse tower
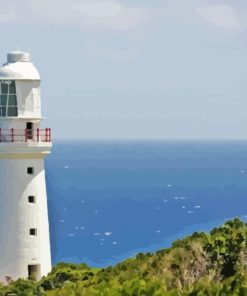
x: 24, y: 227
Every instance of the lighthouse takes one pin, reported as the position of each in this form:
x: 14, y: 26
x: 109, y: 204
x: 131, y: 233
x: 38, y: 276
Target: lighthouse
x: 24, y: 226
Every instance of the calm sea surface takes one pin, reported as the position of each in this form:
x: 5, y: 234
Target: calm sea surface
x: 109, y: 200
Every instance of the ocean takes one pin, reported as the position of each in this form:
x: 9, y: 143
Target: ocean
x: 109, y: 200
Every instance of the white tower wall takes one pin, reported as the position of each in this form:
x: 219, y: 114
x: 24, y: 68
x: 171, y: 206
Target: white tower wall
x: 18, y: 248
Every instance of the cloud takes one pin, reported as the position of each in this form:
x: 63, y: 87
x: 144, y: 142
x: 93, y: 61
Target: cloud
x: 85, y: 14
x: 8, y: 16
x: 181, y: 11
x: 221, y: 16
x: 116, y: 15
x: 111, y: 14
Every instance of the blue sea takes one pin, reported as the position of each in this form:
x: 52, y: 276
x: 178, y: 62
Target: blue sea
x: 109, y: 200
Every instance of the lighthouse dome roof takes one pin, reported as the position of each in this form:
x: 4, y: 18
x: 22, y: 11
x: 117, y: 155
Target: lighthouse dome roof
x: 19, y: 67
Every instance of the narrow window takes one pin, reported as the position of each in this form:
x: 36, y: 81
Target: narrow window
x: 30, y: 170
x: 31, y: 199
x: 33, y: 231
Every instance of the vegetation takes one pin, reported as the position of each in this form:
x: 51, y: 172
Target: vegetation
x: 201, y: 264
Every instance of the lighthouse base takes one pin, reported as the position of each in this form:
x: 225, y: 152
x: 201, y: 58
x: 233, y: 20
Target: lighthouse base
x: 24, y: 227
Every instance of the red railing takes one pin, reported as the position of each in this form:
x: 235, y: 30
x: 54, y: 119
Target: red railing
x: 25, y: 135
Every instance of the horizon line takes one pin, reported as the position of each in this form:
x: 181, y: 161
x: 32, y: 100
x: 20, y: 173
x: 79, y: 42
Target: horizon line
x: 149, y: 139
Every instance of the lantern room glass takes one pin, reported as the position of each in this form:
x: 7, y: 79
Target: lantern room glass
x: 8, y: 99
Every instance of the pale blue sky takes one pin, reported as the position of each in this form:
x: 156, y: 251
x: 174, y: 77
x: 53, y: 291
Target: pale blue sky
x: 170, y: 69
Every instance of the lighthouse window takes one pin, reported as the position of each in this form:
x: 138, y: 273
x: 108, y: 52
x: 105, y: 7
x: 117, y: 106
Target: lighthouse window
x: 30, y: 170
x: 31, y: 199
x: 33, y: 231
x: 8, y: 100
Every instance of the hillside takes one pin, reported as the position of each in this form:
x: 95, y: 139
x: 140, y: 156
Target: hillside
x: 201, y: 264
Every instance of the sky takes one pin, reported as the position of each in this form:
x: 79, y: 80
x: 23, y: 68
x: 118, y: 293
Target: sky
x: 135, y: 69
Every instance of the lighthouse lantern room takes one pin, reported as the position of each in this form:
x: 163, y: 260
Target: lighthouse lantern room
x: 24, y: 227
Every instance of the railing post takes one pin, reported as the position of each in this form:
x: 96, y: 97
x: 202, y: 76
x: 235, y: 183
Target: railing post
x: 0, y: 135
x: 12, y: 135
x: 49, y: 135
x: 46, y: 135
x: 37, y: 134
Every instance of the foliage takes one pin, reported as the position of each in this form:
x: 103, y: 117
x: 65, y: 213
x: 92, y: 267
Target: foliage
x: 201, y: 264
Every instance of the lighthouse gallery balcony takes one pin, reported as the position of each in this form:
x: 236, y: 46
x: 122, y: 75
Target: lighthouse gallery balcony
x: 25, y: 135
x: 25, y: 143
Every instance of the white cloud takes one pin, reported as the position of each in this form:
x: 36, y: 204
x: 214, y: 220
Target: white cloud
x: 100, y: 9
x: 182, y: 11
x: 85, y: 14
x: 115, y: 15
x: 221, y: 16
x: 9, y: 15
x: 111, y: 14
